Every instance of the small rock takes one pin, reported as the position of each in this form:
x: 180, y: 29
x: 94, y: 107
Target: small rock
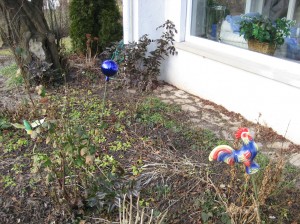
x: 166, y: 101
x: 181, y: 101
x: 279, y: 145
x: 195, y: 120
x: 226, y: 135
x: 225, y: 117
x: 187, y: 107
x: 132, y: 91
x: 163, y: 95
x: 199, y: 104
x: 166, y: 88
x: 222, y: 186
x: 209, y: 107
x: 295, y: 159
x: 172, y: 97
x: 181, y: 94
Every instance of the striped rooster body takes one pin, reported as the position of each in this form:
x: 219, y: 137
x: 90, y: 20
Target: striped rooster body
x: 245, y: 154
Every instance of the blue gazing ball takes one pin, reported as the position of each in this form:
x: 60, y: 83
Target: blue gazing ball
x: 109, y: 68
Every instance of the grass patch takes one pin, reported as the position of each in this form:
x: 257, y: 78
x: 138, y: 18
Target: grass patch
x: 66, y: 43
x: 11, y: 73
x: 154, y: 112
x: 9, y: 70
x: 4, y: 123
x: 6, y: 52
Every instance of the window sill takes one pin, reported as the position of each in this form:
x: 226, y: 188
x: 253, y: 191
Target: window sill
x: 277, y: 69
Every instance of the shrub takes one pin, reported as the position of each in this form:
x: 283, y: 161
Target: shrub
x: 98, y: 18
x: 140, y: 64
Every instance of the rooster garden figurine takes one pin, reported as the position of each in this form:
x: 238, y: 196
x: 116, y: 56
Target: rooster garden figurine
x: 245, y: 154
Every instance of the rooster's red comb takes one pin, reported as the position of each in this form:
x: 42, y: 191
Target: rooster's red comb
x: 240, y: 131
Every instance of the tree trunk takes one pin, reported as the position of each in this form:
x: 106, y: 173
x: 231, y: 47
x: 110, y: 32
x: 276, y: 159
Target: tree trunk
x: 27, y: 31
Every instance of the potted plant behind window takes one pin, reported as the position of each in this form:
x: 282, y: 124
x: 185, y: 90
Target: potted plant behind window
x: 263, y: 35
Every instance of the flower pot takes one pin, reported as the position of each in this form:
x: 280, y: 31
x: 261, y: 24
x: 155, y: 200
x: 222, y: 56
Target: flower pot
x: 261, y: 47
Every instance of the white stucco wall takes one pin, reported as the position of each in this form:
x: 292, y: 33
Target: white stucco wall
x: 142, y: 17
x: 272, y: 91
x: 176, y: 12
x: 237, y: 90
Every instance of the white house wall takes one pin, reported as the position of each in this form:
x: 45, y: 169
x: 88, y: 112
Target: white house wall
x: 142, y: 17
x: 238, y: 90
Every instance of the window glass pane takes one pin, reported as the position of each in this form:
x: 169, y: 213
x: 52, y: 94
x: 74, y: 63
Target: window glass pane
x: 208, y: 15
x: 198, y: 18
x: 217, y: 20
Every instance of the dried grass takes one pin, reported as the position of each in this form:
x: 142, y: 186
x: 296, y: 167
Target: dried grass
x: 131, y: 212
x: 245, y: 207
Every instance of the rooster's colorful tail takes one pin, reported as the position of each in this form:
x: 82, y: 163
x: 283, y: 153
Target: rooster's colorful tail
x: 222, y: 153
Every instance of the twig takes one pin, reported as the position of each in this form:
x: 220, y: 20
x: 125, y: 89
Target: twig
x: 101, y: 220
x: 151, y: 216
x: 130, y: 208
x: 287, y: 128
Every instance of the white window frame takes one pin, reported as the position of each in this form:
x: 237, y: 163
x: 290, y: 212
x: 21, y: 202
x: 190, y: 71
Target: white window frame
x: 282, y: 70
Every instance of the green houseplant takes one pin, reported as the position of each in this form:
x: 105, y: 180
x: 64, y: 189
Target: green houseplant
x: 262, y: 34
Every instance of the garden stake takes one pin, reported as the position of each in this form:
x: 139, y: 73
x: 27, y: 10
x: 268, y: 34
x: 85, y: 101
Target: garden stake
x: 104, y: 98
x: 109, y: 68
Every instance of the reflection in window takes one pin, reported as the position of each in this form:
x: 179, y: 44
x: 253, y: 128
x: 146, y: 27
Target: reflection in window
x: 275, y: 9
x: 217, y: 20
x: 208, y: 15
x: 296, y: 14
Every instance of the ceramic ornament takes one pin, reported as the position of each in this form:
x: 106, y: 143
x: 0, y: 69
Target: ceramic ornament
x: 109, y: 68
x: 27, y: 127
x: 245, y: 154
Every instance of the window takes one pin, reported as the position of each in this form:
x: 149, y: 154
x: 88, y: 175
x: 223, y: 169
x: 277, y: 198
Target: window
x: 216, y: 20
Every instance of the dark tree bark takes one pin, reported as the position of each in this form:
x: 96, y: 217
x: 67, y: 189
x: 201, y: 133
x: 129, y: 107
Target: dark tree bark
x: 27, y: 29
